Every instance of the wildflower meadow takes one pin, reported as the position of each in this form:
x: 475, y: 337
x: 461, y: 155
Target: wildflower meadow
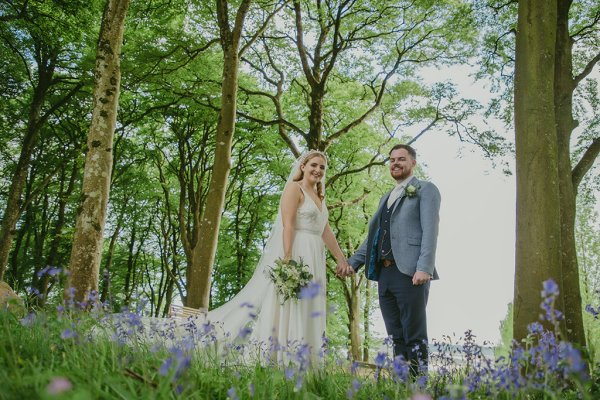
x: 78, y: 351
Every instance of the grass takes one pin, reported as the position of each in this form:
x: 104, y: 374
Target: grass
x: 56, y: 354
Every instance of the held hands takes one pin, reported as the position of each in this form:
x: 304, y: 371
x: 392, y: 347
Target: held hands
x: 344, y: 269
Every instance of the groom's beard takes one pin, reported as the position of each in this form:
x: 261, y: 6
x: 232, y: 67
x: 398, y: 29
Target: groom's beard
x: 401, y: 174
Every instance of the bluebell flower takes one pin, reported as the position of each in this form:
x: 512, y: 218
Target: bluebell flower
x: 289, y: 373
x: 380, y: 359
x: 29, y: 320
x: 231, y: 394
x: 573, y: 359
x: 68, y: 334
x: 550, y: 288
x: 535, y: 328
x: 354, y: 367
x: 594, y: 311
x: 251, y: 389
x: 165, y: 367
x: 244, y: 332
x: 388, y: 341
x: 310, y: 291
x: 354, y: 389
x: 400, y: 368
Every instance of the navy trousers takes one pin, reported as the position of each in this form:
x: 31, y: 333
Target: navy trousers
x: 403, y: 308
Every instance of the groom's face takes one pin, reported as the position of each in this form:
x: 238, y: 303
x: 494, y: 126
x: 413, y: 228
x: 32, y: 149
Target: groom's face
x: 401, y: 164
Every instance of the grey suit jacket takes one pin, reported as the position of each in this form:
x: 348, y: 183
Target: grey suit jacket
x: 414, y: 229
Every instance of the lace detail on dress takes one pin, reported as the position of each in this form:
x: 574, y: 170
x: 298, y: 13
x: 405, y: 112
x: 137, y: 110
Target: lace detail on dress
x: 309, y: 218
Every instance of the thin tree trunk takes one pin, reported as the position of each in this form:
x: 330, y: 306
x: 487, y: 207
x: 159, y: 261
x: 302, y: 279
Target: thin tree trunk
x: 366, y: 319
x: 354, y: 315
x: 129, y: 278
x: 200, y: 271
x: 84, y: 264
x: 12, y: 212
x: 105, y: 293
x: 63, y: 196
x: 538, y: 240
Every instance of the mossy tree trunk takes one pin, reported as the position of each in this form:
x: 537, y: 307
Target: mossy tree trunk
x: 84, y: 264
x: 538, y: 236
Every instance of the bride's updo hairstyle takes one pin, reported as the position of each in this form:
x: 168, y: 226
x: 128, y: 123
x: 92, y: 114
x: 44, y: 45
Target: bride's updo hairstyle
x: 305, y: 159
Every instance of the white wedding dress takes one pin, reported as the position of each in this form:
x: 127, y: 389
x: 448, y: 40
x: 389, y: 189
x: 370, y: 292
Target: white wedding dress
x: 273, y: 331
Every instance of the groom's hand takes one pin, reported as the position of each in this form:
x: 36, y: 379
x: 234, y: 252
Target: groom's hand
x: 343, y: 269
x: 420, y: 278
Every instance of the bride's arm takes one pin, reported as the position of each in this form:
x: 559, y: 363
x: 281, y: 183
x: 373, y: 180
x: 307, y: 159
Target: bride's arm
x: 290, y: 201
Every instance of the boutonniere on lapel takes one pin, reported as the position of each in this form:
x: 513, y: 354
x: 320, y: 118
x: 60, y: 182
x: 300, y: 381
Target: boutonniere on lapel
x: 411, y: 190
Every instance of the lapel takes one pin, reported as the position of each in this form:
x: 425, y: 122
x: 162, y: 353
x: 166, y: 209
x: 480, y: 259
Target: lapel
x: 400, y: 200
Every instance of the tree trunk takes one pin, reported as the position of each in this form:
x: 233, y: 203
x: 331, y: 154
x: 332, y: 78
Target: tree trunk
x: 204, y: 252
x: 84, y: 264
x: 355, y: 319
x: 105, y: 293
x: 538, y: 238
x: 12, y: 212
x: 200, y: 270
x: 57, y: 230
x: 564, y: 86
x: 129, y: 278
x: 366, y: 319
x: 315, y: 134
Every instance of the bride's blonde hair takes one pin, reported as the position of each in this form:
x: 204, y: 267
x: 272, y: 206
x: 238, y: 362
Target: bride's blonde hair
x: 305, y: 159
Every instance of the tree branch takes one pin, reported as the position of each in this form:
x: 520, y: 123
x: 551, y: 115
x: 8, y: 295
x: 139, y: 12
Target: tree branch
x: 585, y: 163
x: 263, y: 27
x: 587, y: 70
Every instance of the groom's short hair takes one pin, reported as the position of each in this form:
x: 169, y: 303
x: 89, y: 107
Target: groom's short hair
x: 411, y: 151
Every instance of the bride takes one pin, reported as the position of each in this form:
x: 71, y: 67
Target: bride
x: 257, y: 314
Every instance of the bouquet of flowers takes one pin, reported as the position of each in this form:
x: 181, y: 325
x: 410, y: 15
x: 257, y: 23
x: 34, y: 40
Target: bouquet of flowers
x: 290, y: 277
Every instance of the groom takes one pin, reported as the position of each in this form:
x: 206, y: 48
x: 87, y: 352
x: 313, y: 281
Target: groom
x: 399, y: 253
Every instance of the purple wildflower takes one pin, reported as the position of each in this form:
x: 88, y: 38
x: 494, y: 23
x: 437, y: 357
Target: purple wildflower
x: 594, y: 311
x: 400, y: 368
x: 535, y: 327
x: 289, y: 373
x: 244, y: 332
x: 550, y: 288
x: 388, y: 341
x: 59, y: 385
x: 165, y: 367
x: 251, y: 389
x: 231, y: 394
x: 310, y: 291
x: 68, y: 334
x: 380, y: 359
x: 29, y: 320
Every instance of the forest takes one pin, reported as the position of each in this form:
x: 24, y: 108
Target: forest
x: 144, y: 145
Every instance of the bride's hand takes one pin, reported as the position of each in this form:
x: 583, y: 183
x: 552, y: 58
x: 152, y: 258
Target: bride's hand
x: 286, y: 259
